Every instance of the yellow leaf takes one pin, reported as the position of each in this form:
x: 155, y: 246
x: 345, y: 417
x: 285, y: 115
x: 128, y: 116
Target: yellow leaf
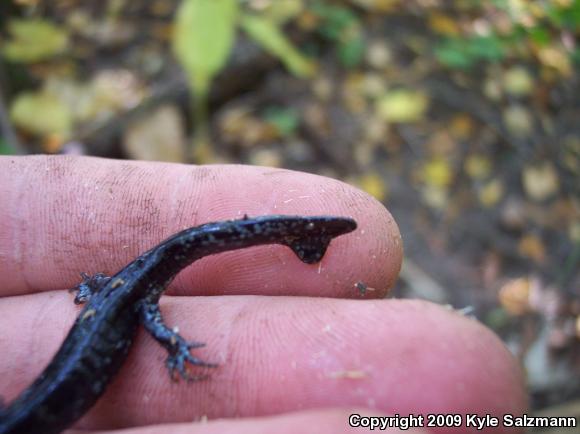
x: 477, y: 166
x: 34, y: 40
x: 518, y: 121
x: 437, y: 173
x: 443, y: 24
x: 41, y: 114
x: 374, y: 185
x: 435, y: 197
x: 540, y: 181
x: 402, y: 105
x: 574, y: 232
x: 491, y: 193
x: 518, y: 81
x: 556, y: 58
x: 281, y: 11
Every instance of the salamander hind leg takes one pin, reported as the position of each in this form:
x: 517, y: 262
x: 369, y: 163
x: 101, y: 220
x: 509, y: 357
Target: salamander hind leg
x: 89, y: 286
x: 179, y: 354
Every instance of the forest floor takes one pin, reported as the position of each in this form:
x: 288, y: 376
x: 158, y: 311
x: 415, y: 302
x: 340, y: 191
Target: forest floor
x: 478, y: 159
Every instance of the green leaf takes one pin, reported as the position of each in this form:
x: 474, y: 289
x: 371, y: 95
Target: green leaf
x: 452, y: 53
x: 486, y: 48
x: 203, y: 38
x: 540, y: 35
x: 463, y: 53
x: 351, y: 50
x: 576, y: 56
x: 285, y: 120
x: 266, y: 33
x: 34, y: 40
x: 42, y: 114
x: 282, y: 11
x: 335, y: 19
x: 5, y: 148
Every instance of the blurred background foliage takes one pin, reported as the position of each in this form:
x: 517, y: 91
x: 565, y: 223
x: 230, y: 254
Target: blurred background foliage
x: 461, y: 117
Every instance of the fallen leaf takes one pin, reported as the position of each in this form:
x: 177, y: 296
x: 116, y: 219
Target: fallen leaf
x: 159, y: 136
x: 491, y: 193
x: 379, y: 55
x: 443, y: 24
x: 477, y: 166
x: 461, y: 126
x: 441, y: 143
x: 532, y: 247
x: 513, y: 214
x: 574, y: 232
x: 266, y: 157
x: 374, y: 185
x: 540, y: 181
x: 402, y: 105
x: 323, y: 87
x: 435, y: 197
x: 492, y: 89
x: 33, y: 40
x: 437, y: 172
x: 42, y: 114
x: 517, y: 81
x: 518, y: 121
x: 282, y: 11
x: 514, y: 296
x: 555, y: 57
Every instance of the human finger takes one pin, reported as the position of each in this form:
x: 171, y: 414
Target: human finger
x: 96, y: 215
x: 279, y: 354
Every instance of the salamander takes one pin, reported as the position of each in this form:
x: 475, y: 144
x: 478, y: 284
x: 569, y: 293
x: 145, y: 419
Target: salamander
x: 100, y: 338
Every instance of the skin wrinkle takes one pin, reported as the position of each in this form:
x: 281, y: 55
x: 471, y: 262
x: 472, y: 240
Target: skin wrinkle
x: 184, y: 193
x: 236, y: 339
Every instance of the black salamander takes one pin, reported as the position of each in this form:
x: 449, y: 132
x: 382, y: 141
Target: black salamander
x: 99, y: 341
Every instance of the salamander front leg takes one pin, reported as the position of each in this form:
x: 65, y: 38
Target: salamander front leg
x: 89, y: 286
x: 177, y: 347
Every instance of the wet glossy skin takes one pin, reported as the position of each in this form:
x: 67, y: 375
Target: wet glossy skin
x: 101, y: 336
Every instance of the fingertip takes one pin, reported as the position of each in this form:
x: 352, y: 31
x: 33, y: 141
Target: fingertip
x: 456, y: 361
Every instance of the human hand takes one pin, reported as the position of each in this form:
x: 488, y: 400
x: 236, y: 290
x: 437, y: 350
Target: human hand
x: 321, y: 358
